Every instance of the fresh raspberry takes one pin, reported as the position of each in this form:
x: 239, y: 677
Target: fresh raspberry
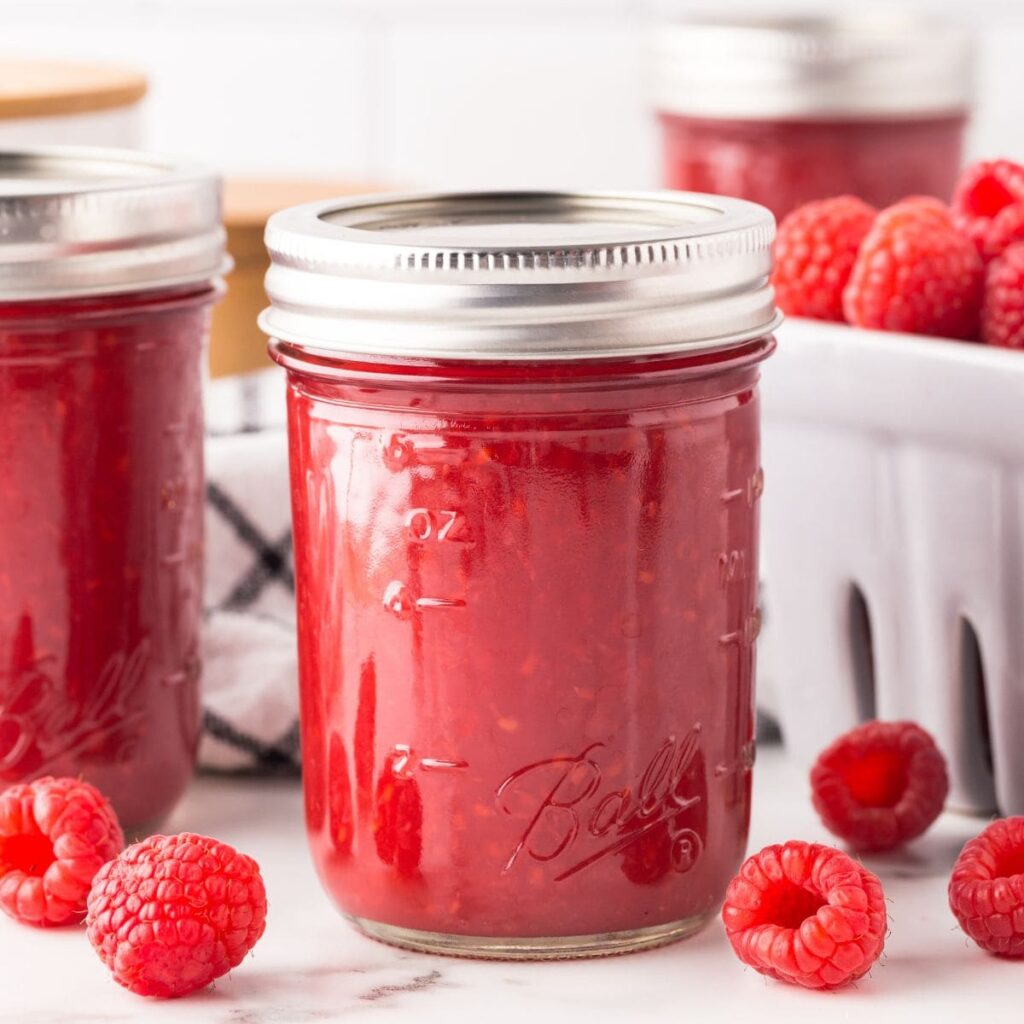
x: 880, y: 785
x: 173, y: 913
x: 1002, y: 312
x: 988, y: 205
x: 55, y: 834
x: 914, y: 272
x: 814, y: 252
x: 806, y: 914
x: 986, y: 889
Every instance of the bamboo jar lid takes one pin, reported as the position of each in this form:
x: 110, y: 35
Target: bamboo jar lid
x: 51, y: 88
x: 237, y: 344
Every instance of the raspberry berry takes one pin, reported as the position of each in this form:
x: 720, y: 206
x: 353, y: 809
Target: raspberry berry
x: 914, y: 272
x: 815, y: 248
x: 806, y: 914
x: 988, y: 205
x: 880, y: 785
x: 1002, y: 312
x: 986, y: 889
x: 173, y: 913
x: 55, y: 834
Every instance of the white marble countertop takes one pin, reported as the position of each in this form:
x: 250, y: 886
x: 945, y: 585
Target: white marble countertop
x: 311, y: 967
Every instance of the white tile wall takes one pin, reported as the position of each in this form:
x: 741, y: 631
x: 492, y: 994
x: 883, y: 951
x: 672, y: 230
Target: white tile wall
x: 514, y: 103
x: 460, y: 92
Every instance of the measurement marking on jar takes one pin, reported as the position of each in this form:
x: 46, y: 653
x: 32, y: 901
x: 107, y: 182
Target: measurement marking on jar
x: 402, y: 603
x: 405, y: 761
x: 750, y: 492
x: 745, y: 635
x: 439, y: 602
x: 401, y: 451
x: 442, y: 526
x: 732, y: 567
x: 742, y: 765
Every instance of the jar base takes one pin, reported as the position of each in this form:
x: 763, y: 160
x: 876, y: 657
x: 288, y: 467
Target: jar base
x: 566, y: 947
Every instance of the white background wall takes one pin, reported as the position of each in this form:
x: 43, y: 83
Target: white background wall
x: 424, y: 92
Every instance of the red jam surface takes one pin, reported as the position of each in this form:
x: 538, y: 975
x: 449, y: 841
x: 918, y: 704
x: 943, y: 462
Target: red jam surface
x: 783, y: 164
x: 526, y: 605
x: 101, y: 544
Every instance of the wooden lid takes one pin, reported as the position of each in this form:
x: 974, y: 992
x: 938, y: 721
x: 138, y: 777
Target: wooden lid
x: 49, y: 88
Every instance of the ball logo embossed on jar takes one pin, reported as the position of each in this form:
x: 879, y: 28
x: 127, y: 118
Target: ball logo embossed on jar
x: 657, y: 822
x: 40, y: 729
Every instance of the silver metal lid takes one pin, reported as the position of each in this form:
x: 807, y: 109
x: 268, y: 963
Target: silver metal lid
x: 520, y: 275
x: 880, y: 63
x: 77, y: 222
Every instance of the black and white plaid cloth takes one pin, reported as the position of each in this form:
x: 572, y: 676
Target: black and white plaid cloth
x: 250, y: 697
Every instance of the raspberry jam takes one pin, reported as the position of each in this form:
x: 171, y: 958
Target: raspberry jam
x: 527, y: 585
x: 784, y: 164
x: 785, y: 110
x: 101, y: 498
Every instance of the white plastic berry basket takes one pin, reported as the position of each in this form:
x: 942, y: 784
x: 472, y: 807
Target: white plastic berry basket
x: 893, y: 538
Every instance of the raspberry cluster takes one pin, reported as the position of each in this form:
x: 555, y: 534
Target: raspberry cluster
x: 810, y: 915
x: 919, y: 266
x: 167, y: 916
x: 171, y: 914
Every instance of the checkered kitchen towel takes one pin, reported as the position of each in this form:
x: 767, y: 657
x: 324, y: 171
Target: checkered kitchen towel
x: 250, y: 698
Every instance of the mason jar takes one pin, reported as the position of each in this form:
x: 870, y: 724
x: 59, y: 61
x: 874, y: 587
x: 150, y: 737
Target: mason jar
x: 109, y: 262
x: 785, y: 110
x: 525, y: 480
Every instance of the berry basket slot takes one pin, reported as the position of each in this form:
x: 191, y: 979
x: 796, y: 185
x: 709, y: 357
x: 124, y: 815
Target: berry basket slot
x: 893, y: 538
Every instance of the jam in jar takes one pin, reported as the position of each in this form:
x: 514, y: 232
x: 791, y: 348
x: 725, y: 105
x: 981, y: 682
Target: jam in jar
x: 785, y: 110
x: 525, y: 472
x: 108, y: 266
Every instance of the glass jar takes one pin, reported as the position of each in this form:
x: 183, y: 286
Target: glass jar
x: 525, y: 477
x: 785, y: 110
x: 109, y: 263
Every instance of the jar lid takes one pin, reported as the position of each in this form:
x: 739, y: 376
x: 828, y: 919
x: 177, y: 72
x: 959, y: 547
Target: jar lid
x: 872, y: 63
x: 520, y: 275
x: 50, y: 88
x: 77, y: 222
